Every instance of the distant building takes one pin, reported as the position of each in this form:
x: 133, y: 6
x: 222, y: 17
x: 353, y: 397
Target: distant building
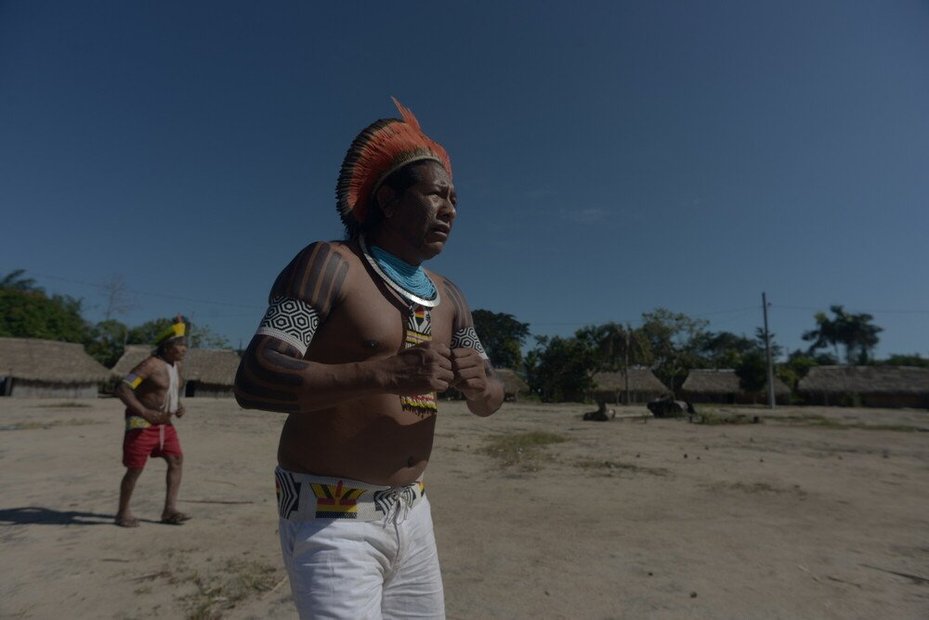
x: 513, y: 384
x: 866, y: 386
x: 210, y: 373
x: 643, y: 386
x: 132, y: 355
x: 34, y: 368
x: 723, y: 386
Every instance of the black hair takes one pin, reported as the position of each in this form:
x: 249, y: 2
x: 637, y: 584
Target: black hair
x: 399, y: 181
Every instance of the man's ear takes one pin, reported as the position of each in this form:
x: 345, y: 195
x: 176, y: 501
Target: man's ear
x: 387, y: 200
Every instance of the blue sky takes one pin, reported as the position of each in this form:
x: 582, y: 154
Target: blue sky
x: 610, y: 157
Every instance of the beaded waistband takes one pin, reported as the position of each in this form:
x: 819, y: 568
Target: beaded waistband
x: 302, y: 497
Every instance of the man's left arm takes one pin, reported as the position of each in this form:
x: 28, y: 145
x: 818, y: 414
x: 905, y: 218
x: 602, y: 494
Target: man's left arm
x: 474, y: 375
x: 475, y: 379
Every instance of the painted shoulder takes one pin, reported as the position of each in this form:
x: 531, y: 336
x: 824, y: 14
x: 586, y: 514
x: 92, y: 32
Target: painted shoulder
x: 316, y: 275
x: 147, y: 365
x: 453, y: 295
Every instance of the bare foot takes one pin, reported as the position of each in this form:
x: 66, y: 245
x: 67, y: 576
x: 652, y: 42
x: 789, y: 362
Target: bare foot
x: 126, y: 521
x: 175, y: 518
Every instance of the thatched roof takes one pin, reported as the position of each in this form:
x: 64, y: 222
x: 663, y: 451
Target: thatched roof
x: 132, y: 355
x: 640, y: 380
x: 32, y: 359
x: 212, y: 366
x: 512, y: 382
x: 721, y: 381
x: 866, y: 380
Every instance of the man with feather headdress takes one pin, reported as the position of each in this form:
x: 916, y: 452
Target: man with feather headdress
x: 357, y: 340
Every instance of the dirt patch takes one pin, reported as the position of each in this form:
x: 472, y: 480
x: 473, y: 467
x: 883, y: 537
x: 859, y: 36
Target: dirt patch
x: 810, y: 513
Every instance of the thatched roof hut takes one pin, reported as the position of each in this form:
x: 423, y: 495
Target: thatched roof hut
x: 206, y: 372
x: 868, y: 386
x: 33, y: 368
x: 210, y: 372
x: 643, y: 386
x: 722, y: 386
x: 132, y: 355
x: 513, y: 384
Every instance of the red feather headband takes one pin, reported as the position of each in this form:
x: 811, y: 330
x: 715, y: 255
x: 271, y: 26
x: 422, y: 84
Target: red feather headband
x: 381, y: 149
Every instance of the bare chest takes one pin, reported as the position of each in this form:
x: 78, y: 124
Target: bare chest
x: 374, y: 323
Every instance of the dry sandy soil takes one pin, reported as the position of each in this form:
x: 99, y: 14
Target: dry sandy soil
x: 809, y: 513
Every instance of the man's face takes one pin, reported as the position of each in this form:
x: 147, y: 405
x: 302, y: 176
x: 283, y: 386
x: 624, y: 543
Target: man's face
x: 422, y: 216
x: 176, y: 350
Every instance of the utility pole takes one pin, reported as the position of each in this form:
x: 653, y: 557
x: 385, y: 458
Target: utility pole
x: 767, y: 350
x: 626, y: 363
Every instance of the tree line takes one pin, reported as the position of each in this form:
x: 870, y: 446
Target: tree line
x: 671, y: 344
x: 556, y: 368
x: 27, y: 311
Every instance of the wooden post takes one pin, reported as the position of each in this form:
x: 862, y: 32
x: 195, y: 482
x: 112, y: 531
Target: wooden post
x: 767, y: 350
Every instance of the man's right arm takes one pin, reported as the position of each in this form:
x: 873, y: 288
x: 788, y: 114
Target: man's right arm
x: 273, y: 374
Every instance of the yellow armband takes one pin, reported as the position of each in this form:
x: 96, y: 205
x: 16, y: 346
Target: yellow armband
x: 132, y: 380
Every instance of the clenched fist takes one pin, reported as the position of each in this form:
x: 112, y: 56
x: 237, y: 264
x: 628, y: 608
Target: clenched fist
x: 470, y: 377
x: 421, y: 369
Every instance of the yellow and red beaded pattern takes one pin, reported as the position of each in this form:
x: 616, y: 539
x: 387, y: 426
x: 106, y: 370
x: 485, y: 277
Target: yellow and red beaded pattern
x: 418, y: 330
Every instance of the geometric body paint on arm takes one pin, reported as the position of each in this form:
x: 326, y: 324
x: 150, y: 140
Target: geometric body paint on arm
x: 292, y: 320
x: 466, y: 338
x: 315, y: 275
x: 463, y: 334
x: 271, y: 374
x: 303, y: 294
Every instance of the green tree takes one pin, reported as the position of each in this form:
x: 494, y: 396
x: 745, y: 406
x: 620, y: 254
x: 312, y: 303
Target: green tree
x: 613, y: 346
x: 560, y: 369
x: 907, y: 360
x: 824, y: 335
x: 106, y: 341
x: 16, y: 280
x: 723, y: 349
x: 673, y: 341
x: 776, y: 349
x: 202, y: 336
x: 26, y: 311
x: 854, y: 332
x: 752, y: 371
x: 797, y: 366
x: 502, y: 337
x: 147, y: 333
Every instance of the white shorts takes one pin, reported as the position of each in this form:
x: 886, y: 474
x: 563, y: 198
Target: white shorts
x: 358, y: 551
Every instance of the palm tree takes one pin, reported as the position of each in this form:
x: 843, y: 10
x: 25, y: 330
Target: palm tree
x: 15, y: 280
x: 853, y: 331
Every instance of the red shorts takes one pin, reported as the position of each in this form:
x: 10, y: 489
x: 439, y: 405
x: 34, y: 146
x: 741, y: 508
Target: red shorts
x: 156, y: 441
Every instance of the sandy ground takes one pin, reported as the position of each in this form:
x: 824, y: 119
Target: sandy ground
x: 811, y: 513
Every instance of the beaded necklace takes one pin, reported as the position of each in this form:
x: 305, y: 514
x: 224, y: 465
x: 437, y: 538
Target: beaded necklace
x: 408, y: 281
x: 417, y: 327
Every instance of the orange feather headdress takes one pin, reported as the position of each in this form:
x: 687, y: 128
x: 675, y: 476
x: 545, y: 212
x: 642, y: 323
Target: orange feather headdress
x: 381, y: 149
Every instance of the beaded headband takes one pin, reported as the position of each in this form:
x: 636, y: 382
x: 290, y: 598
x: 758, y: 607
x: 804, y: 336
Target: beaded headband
x: 178, y: 329
x: 381, y: 149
